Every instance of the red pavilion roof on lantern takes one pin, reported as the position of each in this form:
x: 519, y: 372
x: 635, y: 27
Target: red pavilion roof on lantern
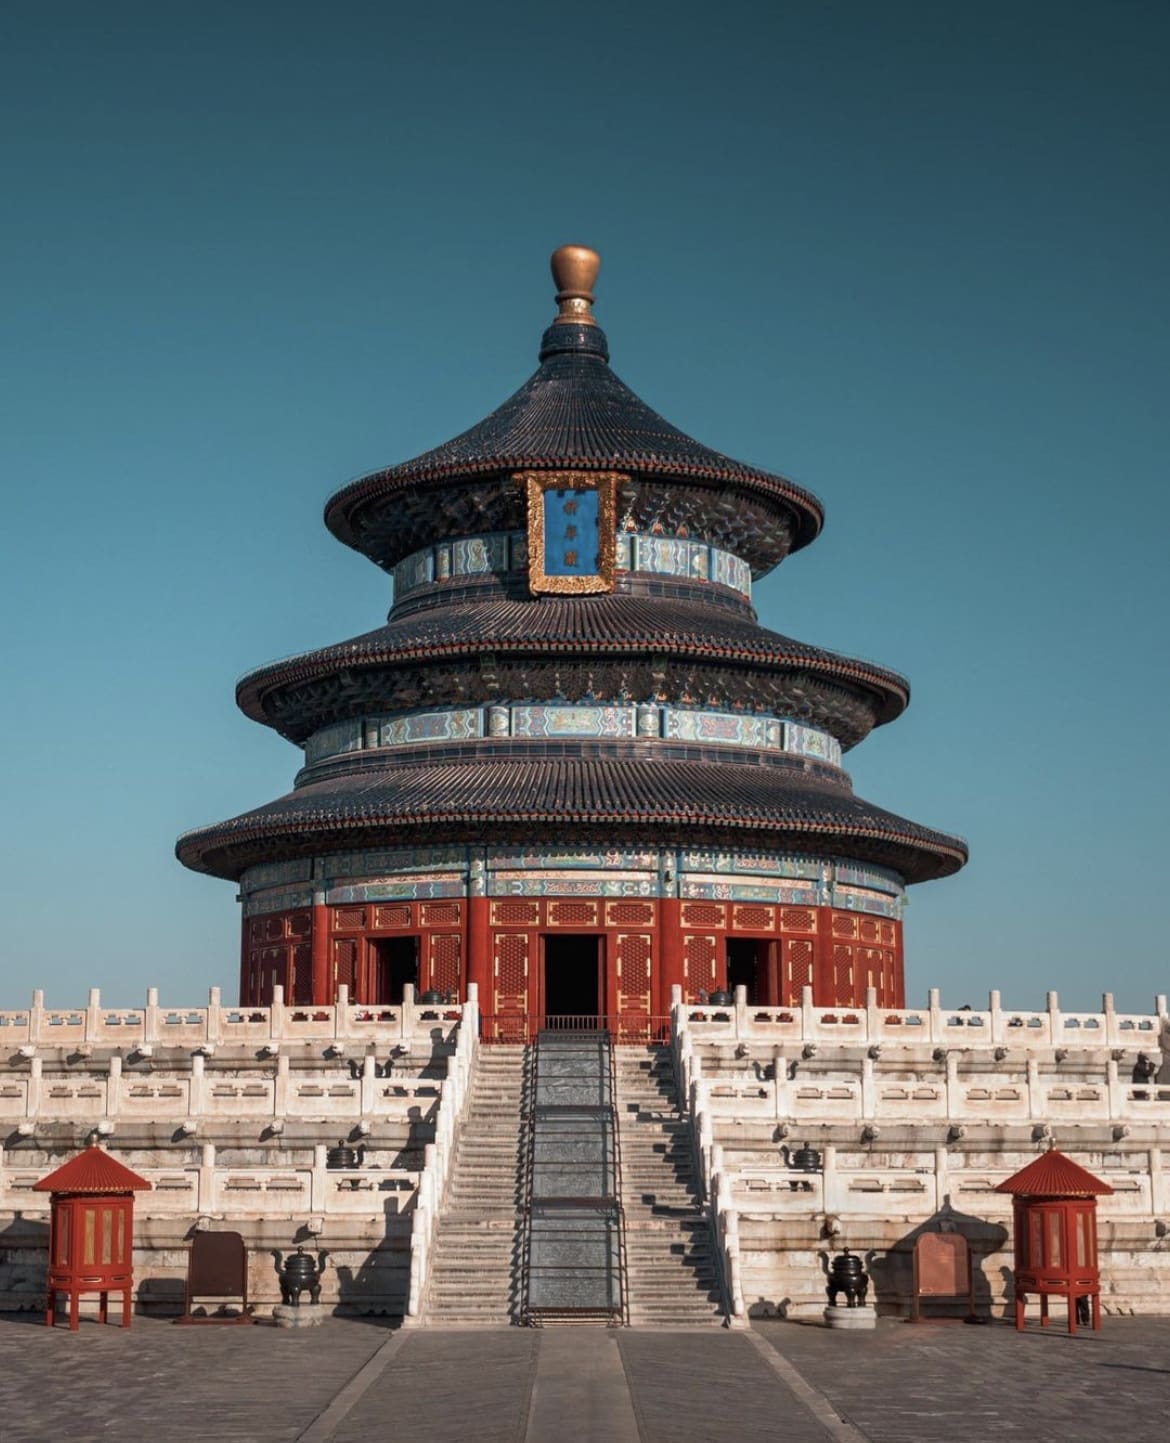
x: 92, y: 1170
x: 1054, y: 1174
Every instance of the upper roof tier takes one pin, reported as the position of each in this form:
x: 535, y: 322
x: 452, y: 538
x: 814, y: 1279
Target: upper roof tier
x: 573, y: 413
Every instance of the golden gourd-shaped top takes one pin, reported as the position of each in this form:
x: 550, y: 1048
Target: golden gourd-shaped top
x: 574, y: 270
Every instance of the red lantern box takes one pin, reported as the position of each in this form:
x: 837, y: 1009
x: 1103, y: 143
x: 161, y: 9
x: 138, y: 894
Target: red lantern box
x: 91, y: 1232
x: 1054, y: 1206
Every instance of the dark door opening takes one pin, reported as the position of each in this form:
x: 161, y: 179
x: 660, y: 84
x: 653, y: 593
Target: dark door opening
x: 572, y: 976
x: 747, y: 966
x: 395, y: 964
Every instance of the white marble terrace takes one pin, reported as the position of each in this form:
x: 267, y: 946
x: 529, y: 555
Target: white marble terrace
x: 917, y: 1115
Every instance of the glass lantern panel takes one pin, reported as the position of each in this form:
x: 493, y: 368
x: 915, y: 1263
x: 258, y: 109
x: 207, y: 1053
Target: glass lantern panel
x: 107, y: 1235
x: 89, y: 1236
x: 1035, y: 1254
x: 1055, y: 1258
x: 64, y: 1215
x: 1082, y: 1241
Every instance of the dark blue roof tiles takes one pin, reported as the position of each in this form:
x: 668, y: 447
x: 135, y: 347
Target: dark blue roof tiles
x: 582, y: 626
x: 574, y: 412
x: 739, y: 802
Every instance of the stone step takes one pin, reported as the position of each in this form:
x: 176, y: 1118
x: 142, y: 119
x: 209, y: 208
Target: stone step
x: 495, y: 1279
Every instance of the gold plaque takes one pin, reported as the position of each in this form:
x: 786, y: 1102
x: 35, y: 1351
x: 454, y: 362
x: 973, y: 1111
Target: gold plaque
x: 572, y: 531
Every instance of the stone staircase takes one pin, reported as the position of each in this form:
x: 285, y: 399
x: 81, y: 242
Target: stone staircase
x: 475, y: 1269
x: 672, y: 1277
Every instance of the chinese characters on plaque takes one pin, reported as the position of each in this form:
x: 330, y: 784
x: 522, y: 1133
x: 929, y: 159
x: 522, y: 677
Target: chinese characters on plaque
x: 571, y: 531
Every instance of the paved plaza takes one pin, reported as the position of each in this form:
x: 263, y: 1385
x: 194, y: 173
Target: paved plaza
x: 353, y: 1381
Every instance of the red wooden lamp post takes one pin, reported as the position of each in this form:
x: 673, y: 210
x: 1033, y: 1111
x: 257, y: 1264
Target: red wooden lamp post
x: 1054, y: 1205
x: 91, y: 1232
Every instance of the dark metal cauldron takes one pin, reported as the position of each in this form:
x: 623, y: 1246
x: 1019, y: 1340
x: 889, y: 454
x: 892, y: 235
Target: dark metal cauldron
x: 342, y: 1157
x: 300, y: 1274
x: 848, y: 1276
x: 805, y: 1159
x: 431, y: 998
x: 720, y: 999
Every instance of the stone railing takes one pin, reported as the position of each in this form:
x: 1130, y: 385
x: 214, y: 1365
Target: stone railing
x: 1006, y: 1095
x: 215, y: 1024
x: 933, y: 1024
x: 438, y: 1154
x: 182, y: 1093
x: 208, y: 1191
x: 193, y: 1070
x: 715, y: 1184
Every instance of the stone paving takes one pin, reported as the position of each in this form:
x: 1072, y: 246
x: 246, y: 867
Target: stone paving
x: 353, y: 1381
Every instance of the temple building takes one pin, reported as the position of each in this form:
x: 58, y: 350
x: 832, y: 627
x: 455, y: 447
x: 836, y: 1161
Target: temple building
x: 572, y: 767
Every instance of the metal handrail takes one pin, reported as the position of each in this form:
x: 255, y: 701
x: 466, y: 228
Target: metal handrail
x: 528, y: 1102
x: 623, y: 1265
x: 610, y: 1203
x: 522, y: 1027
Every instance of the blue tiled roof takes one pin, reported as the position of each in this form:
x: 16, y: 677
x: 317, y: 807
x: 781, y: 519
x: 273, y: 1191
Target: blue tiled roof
x: 574, y: 412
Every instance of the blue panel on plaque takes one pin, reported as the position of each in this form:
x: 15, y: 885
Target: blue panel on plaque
x: 572, y: 533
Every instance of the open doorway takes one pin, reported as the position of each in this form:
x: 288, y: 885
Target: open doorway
x: 572, y: 975
x: 747, y: 966
x: 395, y: 964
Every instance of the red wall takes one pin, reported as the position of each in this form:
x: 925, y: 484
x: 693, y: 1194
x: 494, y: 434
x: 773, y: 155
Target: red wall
x: 649, y: 946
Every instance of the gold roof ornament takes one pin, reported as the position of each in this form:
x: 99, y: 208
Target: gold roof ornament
x: 574, y: 270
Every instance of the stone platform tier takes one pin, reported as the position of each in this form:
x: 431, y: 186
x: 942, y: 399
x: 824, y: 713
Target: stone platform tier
x: 231, y: 1115
x: 915, y: 1117
x: 916, y: 1114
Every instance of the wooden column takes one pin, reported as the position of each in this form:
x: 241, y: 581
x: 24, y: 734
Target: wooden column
x: 478, y: 968
x: 322, y: 916
x: 669, y: 972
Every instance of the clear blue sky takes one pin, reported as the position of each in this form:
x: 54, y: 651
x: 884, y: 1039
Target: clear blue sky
x: 912, y: 255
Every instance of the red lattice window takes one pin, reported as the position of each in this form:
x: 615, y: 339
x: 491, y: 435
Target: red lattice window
x: 345, y: 960
x: 844, y: 925
x: 300, y: 924
x: 702, y: 914
x: 870, y: 931
x: 629, y: 914
x: 843, y: 976
x: 798, y: 969
x: 386, y: 917
x: 515, y: 914
x: 445, y: 952
x: 346, y: 919
x: 753, y: 919
x: 440, y: 914
x: 511, y: 950
x: 572, y: 914
x: 869, y: 967
x: 699, y: 955
x: 798, y: 919
x: 889, y: 996
x: 633, y: 968
x: 888, y: 934
x: 273, y: 928
x: 301, y: 981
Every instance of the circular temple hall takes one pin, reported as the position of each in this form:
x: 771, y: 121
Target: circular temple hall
x: 572, y: 767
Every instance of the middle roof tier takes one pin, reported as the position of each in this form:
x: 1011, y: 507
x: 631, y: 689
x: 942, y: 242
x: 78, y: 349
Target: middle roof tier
x: 615, y: 648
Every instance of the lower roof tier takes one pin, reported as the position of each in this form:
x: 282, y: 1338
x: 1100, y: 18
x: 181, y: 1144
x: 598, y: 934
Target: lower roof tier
x: 689, y: 803
x: 295, y: 695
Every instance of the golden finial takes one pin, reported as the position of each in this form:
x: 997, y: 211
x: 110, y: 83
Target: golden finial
x: 575, y: 270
